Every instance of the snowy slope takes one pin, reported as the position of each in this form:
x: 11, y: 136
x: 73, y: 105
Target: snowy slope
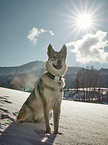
x: 14, y: 133
x: 80, y: 123
x: 10, y: 103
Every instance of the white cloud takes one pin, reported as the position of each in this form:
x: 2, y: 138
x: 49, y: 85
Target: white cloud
x: 91, y: 48
x: 35, y: 33
x: 51, y: 33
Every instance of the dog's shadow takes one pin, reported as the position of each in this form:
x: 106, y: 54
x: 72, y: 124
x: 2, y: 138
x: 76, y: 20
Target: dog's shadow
x: 26, y: 134
x: 20, y: 133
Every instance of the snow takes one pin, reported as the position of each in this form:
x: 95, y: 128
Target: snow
x: 80, y: 123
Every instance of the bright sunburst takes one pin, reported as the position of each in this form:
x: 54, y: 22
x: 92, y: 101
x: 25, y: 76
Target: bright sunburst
x: 83, y: 18
x: 84, y: 21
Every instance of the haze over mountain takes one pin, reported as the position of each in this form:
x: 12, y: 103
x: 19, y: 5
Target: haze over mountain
x: 25, y: 76
x: 29, y: 67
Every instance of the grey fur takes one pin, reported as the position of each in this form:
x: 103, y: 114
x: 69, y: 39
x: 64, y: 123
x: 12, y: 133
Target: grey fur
x: 47, y: 94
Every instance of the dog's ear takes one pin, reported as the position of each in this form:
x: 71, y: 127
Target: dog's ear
x: 50, y: 50
x: 64, y: 50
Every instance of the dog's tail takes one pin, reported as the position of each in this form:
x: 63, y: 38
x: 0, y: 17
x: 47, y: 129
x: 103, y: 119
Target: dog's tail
x: 20, y: 116
x: 24, y: 113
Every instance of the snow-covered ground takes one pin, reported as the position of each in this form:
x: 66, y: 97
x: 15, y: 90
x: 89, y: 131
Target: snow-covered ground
x: 80, y: 123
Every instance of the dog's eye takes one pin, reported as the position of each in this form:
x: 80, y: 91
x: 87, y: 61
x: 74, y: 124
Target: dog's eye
x: 54, y: 57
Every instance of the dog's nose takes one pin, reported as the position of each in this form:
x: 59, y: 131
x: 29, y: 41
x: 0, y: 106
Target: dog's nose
x: 59, y: 62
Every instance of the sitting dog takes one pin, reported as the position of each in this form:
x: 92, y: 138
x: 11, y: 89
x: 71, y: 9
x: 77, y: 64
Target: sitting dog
x: 47, y: 95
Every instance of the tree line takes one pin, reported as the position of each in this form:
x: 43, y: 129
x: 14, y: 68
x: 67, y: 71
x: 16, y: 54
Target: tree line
x: 90, y: 78
x: 87, y: 78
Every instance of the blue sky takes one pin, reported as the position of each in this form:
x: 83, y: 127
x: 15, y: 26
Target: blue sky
x: 28, y: 26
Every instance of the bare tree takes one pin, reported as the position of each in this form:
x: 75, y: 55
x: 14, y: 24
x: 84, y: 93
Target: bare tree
x: 87, y: 78
x: 77, y: 81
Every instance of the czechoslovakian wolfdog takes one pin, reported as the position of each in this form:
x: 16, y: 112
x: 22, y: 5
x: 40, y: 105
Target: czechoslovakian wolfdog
x: 47, y: 95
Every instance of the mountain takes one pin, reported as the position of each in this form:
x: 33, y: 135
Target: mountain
x: 25, y: 76
x: 29, y: 67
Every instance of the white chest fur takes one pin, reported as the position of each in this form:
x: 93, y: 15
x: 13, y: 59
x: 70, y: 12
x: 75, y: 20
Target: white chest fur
x: 53, y: 90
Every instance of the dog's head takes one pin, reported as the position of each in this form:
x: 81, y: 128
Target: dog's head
x: 56, y: 63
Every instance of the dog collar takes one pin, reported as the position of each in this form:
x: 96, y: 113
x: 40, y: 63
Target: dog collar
x: 55, y: 78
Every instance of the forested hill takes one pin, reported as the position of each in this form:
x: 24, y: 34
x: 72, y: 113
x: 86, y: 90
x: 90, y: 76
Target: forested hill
x: 27, y: 74
x: 29, y: 67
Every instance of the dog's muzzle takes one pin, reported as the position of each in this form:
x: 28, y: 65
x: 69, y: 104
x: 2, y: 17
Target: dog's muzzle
x: 59, y: 64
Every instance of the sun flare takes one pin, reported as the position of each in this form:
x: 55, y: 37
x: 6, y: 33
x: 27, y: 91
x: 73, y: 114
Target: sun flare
x: 84, y: 21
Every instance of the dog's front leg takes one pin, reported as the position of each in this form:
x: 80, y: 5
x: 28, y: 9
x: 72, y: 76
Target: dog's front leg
x: 56, y: 116
x: 46, y: 116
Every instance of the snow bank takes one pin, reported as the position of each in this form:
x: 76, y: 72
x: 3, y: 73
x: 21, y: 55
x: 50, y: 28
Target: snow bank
x: 19, y: 133
x: 80, y: 123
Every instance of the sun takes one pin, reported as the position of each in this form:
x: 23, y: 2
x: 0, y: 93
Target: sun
x: 81, y: 19
x: 84, y: 21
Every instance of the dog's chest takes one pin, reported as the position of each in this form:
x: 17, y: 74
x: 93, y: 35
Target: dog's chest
x: 52, y: 97
x: 53, y: 92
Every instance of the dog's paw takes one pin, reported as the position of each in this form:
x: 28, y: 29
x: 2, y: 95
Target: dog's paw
x: 48, y: 131
x: 58, y: 133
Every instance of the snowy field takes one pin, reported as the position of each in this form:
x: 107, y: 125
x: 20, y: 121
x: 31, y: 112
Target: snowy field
x: 80, y: 123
